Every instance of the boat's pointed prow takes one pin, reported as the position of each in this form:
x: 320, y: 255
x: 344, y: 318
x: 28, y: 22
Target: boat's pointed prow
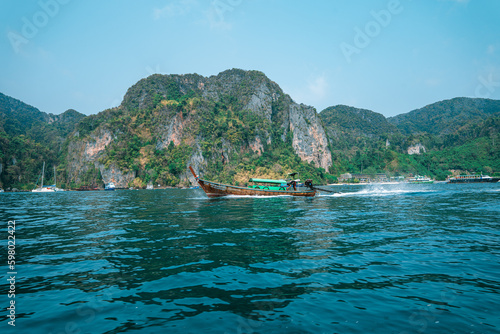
x: 194, y: 174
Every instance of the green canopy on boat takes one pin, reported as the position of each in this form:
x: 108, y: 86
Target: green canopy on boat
x: 268, y: 181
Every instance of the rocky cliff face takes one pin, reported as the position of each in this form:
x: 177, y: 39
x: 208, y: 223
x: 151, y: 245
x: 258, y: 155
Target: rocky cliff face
x: 266, y: 99
x: 256, y: 93
x: 309, y: 137
x: 215, y: 119
x: 113, y: 173
x: 416, y: 149
x: 83, y: 161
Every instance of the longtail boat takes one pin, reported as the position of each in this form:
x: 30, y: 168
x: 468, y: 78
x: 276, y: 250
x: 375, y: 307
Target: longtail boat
x: 264, y: 187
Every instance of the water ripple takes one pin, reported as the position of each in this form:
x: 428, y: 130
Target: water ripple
x: 370, y: 259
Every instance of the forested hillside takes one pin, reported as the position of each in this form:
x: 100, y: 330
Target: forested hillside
x: 350, y: 129
x: 446, y: 117
x: 229, y: 126
x: 27, y: 138
x: 459, y: 135
x: 236, y: 125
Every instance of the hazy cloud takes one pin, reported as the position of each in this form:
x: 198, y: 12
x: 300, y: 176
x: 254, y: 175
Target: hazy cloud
x: 491, y: 49
x: 318, y: 86
x: 175, y: 8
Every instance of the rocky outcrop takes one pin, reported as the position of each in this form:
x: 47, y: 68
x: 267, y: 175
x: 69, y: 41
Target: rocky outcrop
x: 197, y: 162
x: 171, y: 119
x: 257, y: 146
x: 309, y: 137
x: 83, y: 158
x: 170, y: 129
x: 261, y: 102
x: 266, y: 99
x: 114, y: 174
x: 416, y: 149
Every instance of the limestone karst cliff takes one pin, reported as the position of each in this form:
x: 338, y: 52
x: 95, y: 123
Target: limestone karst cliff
x: 217, y: 123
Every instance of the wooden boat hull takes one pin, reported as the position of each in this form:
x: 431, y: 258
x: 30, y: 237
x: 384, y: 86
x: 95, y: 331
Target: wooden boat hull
x: 214, y: 189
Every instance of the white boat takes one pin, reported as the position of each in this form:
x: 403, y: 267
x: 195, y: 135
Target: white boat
x: 150, y: 186
x: 420, y: 179
x: 110, y: 186
x: 43, y: 189
x: 55, y: 182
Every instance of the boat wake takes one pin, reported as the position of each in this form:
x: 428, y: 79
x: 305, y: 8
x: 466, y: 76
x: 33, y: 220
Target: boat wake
x: 255, y: 196
x: 241, y: 196
x: 378, y: 192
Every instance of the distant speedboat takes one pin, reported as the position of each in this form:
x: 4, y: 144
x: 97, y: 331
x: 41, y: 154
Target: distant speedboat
x: 150, y: 186
x: 110, y: 186
x: 473, y: 179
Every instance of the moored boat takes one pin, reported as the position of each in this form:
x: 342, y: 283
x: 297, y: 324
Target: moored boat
x: 420, y: 179
x: 42, y: 189
x: 110, y: 187
x: 473, y: 179
x: 47, y: 189
x: 55, y: 182
x: 264, y: 187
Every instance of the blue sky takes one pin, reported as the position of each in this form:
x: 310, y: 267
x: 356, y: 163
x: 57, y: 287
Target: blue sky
x: 389, y: 56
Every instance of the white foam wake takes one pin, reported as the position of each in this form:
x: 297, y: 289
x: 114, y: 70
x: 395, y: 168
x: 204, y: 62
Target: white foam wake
x: 379, y: 191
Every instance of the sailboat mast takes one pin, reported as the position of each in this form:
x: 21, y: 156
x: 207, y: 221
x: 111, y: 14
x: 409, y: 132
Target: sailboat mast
x: 55, y: 182
x: 43, y: 171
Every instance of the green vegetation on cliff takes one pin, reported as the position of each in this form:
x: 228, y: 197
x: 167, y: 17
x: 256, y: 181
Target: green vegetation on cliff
x: 458, y: 139
x: 446, y: 116
x: 152, y: 141
x: 28, y: 137
x: 237, y: 125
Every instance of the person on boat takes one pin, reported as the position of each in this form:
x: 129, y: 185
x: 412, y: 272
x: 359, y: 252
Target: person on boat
x: 292, y: 182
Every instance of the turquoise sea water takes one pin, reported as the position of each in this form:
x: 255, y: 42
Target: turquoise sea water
x: 373, y: 259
